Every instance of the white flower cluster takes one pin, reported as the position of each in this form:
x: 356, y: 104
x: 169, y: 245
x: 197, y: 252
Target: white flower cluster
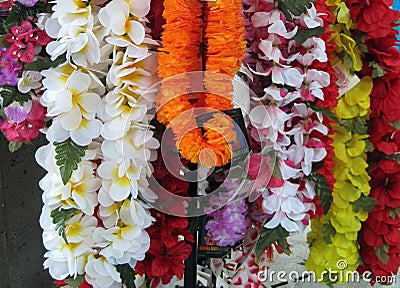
x: 107, y: 45
x: 290, y: 126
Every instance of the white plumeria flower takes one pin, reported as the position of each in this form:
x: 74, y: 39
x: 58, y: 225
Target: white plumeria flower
x: 29, y: 80
x: 281, y: 74
x: 79, y: 192
x: 70, y: 259
x: 288, y: 210
x: 125, y: 178
x: 76, y: 108
x: 128, y: 241
x: 102, y: 274
x: 116, y: 16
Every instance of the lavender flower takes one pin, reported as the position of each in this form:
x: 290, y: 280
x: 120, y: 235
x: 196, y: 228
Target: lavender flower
x: 28, y: 3
x: 229, y: 224
x: 9, y: 70
x: 16, y: 113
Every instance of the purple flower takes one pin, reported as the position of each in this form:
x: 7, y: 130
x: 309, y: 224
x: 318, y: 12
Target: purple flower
x: 16, y: 113
x: 9, y: 70
x: 28, y: 3
x: 229, y: 224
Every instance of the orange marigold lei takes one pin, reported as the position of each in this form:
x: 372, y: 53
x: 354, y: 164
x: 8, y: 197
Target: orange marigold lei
x: 187, y: 35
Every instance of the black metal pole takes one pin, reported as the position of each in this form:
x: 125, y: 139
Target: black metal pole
x: 190, y: 279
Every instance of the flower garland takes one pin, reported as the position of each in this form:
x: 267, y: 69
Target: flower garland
x: 295, y: 130
x: 168, y: 250
x: 101, y: 223
x: 379, y: 248
x: 336, y: 232
x: 220, y: 29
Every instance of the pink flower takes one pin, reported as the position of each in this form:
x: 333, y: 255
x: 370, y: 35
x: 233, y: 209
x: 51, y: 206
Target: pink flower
x: 27, y: 129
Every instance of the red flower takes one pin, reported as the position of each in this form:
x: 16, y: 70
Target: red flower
x: 385, y: 137
x: 374, y: 17
x: 6, y: 5
x: 24, y: 39
x: 164, y: 263
x: 385, y: 52
x: 385, y: 97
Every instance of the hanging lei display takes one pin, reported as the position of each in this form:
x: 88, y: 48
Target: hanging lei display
x: 222, y: 55
x: 94, y: 223
x: 323, y: 77
x: 336, y: 232
x: 379, y: 245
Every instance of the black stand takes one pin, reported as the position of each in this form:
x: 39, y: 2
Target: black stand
x: 190, y: 278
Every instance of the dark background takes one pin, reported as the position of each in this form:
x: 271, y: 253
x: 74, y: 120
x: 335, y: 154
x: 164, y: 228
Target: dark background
x: 21, y: 248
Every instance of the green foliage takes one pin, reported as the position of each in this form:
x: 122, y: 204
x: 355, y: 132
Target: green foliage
x: 394, y: 212
x: 269, y: 236
x: 68, y: 155
x: 327, y: 113
x: 378, y: 70
x: 322, y: 189
x: 45, y: 63
x: 357, y: 125
x: 127, y: 275
x: 328, y: 232
x: 60, y: 218
x: 364, y: 203
x: 382, y: 253
x: 293, y: 7
x: 302, y: 35
x: 14, y: 146
x: 11, y: 94
x: 395, y: 124
x: 19, y: 12
x: 75, y: 283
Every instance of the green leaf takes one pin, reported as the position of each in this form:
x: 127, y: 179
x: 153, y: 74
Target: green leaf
x: 14, y: 146
x: 381, y: 252
x: 269, y: 236
x: 18, y: 13
x: 293, y: 7
x: 394, y: 212
x: 327, y: 113
x: 395, y: 124
x: 357, y: 125
x: 75, y: 283
x: 302, y: 35
x: 60, y: 218
x: 369, y: 147
x: 127, y: 275
x: 328, y: 232
x: 277, y: 172
x: 68, y: 155
x: 365, y: 203
x: 45, y: 63
x: 378, y: 71
x: 11, y: 94
x: 322, y: 189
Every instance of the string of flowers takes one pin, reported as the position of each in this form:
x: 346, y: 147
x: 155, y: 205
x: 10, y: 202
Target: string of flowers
x: 379, y: 248
x: 220, y: 29
x: 336, y: 232
x: 94, y: 224
x: 279, y: 62
x: 164, y: 260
